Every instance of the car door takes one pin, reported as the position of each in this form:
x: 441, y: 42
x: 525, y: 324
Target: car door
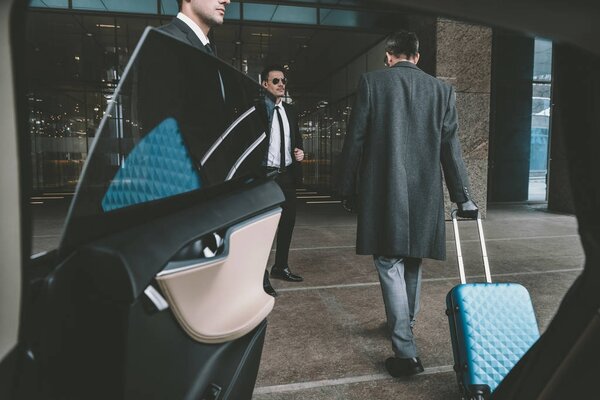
x: 11, y: 253
x: 155, y: 291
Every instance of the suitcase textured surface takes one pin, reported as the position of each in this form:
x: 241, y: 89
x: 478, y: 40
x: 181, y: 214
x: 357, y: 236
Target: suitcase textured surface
x: 494, y: 325
x: 491, y: 326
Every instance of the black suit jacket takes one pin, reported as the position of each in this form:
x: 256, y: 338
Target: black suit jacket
x: 295, y: 136
x: 183, y: 32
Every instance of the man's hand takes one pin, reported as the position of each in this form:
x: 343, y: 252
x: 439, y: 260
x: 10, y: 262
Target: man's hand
x: 349, y: 204
x: 298, y: 154
x: 468, y: 209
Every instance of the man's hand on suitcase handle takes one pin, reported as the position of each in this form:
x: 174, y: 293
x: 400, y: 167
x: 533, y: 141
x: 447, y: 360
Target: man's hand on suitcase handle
x: 468, y: 209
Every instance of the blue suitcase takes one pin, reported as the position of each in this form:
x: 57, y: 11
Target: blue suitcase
x: 491, y: 326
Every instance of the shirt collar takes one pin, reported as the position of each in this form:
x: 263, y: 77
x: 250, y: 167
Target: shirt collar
x: 188, y: 21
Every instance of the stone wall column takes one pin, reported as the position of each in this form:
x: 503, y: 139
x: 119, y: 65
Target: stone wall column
x: 463, y: 59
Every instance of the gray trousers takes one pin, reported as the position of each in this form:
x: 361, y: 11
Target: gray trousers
x: 400, y: 279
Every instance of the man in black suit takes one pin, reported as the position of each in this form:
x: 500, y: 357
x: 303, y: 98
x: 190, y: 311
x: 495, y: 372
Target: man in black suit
x: 195, y: 20
x: 282, y: 158
x: 403, y: 126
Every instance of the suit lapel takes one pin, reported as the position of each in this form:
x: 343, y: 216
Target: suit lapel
x: 192, y: 38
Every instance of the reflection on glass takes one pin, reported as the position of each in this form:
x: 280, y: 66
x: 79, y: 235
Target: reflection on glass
x: 159, y: 166
x: 295, y: 15
x: 258, y: 12
x: 540, y: 120
x: 137, y: 6
x: 167, y: 113
x: 323, y: 133
x: 233, y: 10
x: 49, y: 3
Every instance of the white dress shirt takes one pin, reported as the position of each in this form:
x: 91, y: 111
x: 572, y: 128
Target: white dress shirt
x: 274, y: 144
x: 188, y: 21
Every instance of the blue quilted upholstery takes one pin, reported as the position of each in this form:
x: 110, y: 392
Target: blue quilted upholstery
x: 498, y: 327
x: 159, y: 166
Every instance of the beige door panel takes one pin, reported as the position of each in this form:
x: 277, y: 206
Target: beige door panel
x: 221, y: 299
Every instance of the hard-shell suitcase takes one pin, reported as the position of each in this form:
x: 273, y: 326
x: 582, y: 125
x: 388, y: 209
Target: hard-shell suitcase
x: 491, y: 326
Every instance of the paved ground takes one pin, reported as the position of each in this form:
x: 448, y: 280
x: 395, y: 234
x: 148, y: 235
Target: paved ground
x: 326, y: 337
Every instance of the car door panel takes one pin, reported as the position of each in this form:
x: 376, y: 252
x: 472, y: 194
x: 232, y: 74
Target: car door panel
x: 135, y: 256
x: 165, y: 363
x: 211, y: 298
x: 101, y: 331
x: 155, y: 291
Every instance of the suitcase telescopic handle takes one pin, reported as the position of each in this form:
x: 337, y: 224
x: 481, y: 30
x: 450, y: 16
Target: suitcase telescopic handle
x: 461, y: 266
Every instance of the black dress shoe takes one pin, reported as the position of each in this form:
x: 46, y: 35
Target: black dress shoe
x: 267, y: 285
x: 285, y: 274
x: 398, y: 367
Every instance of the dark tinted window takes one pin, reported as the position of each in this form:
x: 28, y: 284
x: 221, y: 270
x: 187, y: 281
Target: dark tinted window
x: 179, y: 121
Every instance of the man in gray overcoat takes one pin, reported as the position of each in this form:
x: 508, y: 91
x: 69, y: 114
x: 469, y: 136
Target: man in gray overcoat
x: 403, y: 125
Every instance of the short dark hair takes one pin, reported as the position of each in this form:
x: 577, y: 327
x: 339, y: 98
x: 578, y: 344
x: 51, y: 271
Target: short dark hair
x: 402, y: 42
x: 264, y: 75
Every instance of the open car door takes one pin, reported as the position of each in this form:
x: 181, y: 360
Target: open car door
x: 11, y: 252
x: 155, y: 291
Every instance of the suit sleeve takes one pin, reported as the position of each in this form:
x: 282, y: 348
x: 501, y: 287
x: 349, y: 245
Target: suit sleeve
x: 298, y: 137
x: 355, y: 139
x: 453, y: 165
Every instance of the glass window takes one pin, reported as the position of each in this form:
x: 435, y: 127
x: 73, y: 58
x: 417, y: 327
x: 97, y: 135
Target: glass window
x: 295, y: 15
x: 138, y: 6
x: 323, y: 133
x: 339, y: 17
x: 74, y: 63
x: 541, y: 108
x: 233, y: 10
x: 166, y: 131
x: 169, y: 7
x: 282, y: 14
x: 259, y: 12
x: 49, y: 3
x: 344, y: 2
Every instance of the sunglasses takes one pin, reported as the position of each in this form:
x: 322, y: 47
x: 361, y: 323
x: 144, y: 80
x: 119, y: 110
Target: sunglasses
x: 276, y: 81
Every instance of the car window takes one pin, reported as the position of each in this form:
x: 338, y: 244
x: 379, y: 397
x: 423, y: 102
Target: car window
x: 169, y: 129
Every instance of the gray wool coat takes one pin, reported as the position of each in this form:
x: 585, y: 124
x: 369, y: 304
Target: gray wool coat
x: 402, y: 127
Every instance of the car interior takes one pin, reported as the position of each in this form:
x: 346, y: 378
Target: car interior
x: 138, y: 302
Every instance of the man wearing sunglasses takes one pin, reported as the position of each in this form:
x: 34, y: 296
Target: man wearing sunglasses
x: 282, y: 158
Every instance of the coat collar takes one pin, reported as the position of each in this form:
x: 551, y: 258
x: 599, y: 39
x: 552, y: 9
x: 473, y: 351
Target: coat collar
x: 193, y: 39
x: 407, y: 64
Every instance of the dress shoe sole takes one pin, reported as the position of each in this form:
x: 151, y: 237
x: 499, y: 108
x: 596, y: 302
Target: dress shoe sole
x: 285, y: 278
x: 402, y: 372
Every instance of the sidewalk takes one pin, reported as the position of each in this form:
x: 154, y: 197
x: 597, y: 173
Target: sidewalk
x: 327, y: 338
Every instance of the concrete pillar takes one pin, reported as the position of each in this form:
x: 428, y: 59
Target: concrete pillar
x: 463, y: 59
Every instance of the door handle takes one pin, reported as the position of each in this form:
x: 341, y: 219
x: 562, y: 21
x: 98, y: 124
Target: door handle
x: 207, y: 246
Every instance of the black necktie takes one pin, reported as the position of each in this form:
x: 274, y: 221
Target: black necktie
x: 209, y: 49
x: 282, y: 140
